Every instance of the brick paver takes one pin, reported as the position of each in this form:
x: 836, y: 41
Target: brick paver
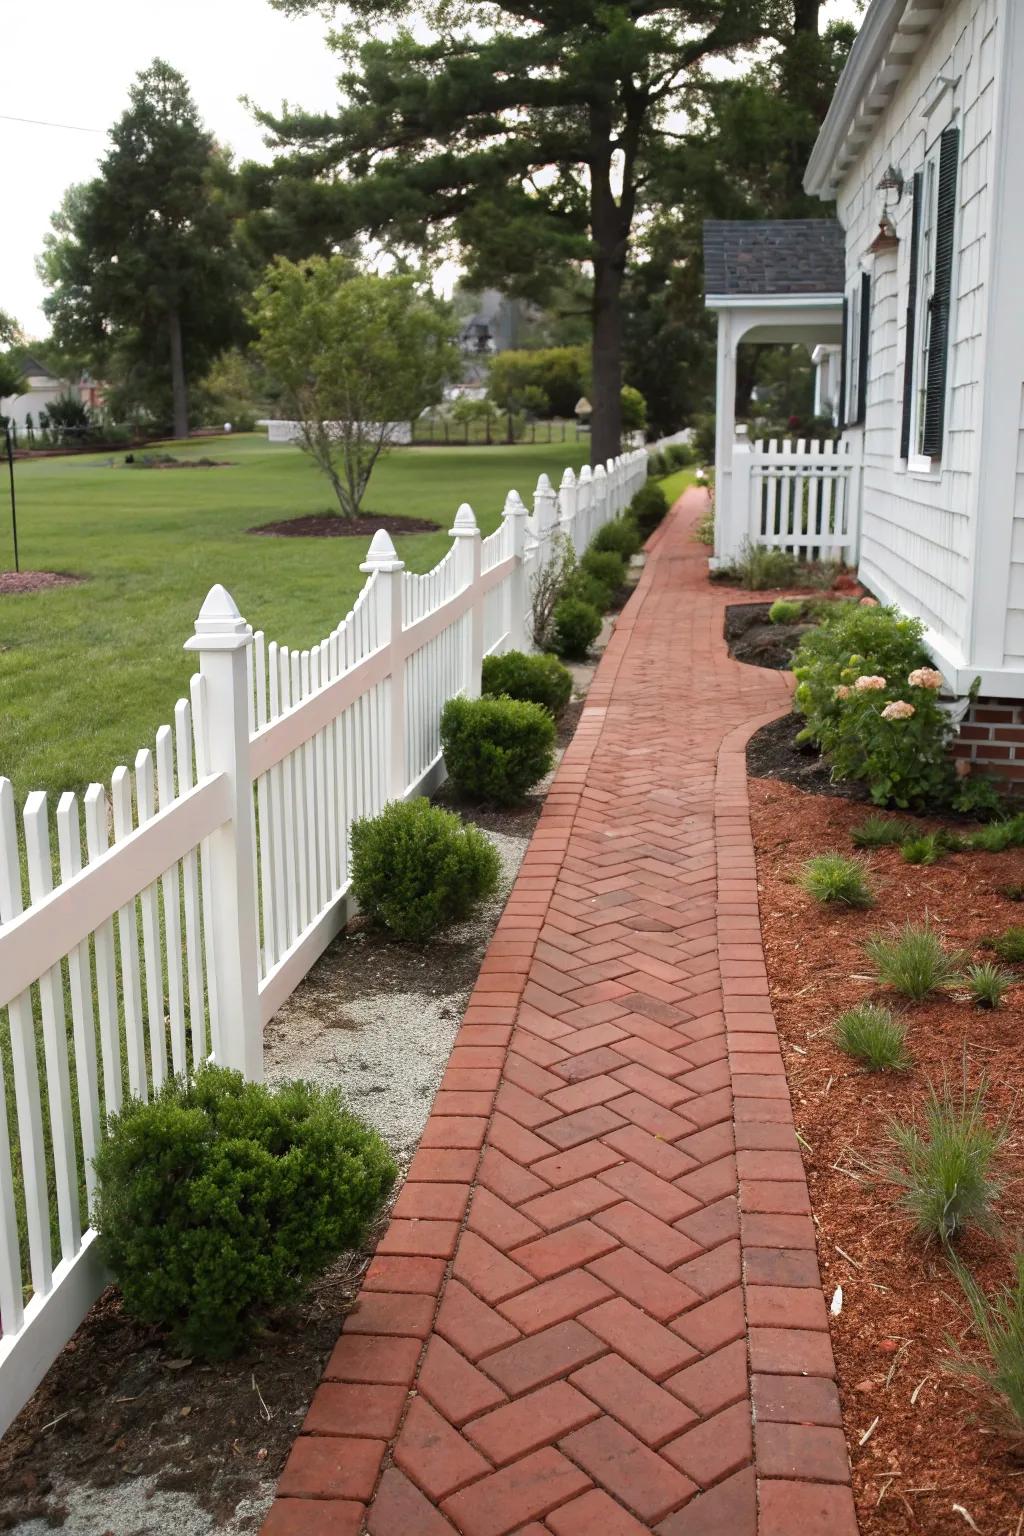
x: 597, y: 1308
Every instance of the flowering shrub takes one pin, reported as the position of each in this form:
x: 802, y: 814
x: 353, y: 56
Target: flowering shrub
x: 897, y: 747
x: 849, y: 644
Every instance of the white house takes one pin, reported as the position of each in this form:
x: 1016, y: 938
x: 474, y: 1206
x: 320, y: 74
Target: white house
x: 44, y: 387
x: 919, y: 154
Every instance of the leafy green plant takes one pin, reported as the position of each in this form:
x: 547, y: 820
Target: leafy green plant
x: 897, y: 746
x: 548, y: 586
x: 704, y: 530
x: 988, y: 984
x: 850, y: 642
x: 999, y: 1321
x: 220, y: 1199
x: 648, y: 507
x: 785, y: 610
x: 836, y: 877
x: 539, y: 679
x: 585, y: 588
x: 416, y: 869
x: 496, y: 749
x: 947, y: 1167
x: 912, y: 960
x: 979, y: 797
x: 1008, y: 945
x: 576, y: 626
x: 606, y: 566
x: 925, y: 849
x: 758, y: 569
x: 881, y: 832
x: 621, y: 537
x: 872, y: 1035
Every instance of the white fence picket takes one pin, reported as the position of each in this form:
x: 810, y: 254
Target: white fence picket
x: 245, y: 806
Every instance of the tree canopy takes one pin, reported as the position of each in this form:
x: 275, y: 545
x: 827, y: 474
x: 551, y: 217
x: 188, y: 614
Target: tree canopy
x: 527, y: 133
x: 145, y: 276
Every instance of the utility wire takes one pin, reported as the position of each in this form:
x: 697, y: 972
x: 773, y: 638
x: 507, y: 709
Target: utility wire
x: 38, y: 122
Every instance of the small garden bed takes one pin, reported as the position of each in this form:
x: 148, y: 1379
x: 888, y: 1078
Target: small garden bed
x: 168, y: 461
x: 921, y: 1440
x: 14, y: 583
x: 331, y: 525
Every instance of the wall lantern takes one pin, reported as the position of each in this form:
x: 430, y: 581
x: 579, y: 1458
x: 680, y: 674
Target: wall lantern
x: 892, y: 181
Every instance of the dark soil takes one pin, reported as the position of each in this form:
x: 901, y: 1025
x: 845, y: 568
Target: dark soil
x: 14, y: 582
x: 331, y: 525
x: 934, y: 1444
x: 774, y: 753
x: 752, y: 638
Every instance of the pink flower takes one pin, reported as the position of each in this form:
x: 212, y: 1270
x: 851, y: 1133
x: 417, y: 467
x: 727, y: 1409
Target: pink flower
x: 898, y: 710
x: 962, y: 768
x: 869, y: 602
x: 869, y: 684
x: 925, y: 677
x: 842, y: 692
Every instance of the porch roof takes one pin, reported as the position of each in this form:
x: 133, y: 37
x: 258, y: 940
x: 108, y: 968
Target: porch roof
x: 749, y: 261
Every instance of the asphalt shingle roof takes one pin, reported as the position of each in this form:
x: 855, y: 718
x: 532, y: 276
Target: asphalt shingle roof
x: 747, y: 257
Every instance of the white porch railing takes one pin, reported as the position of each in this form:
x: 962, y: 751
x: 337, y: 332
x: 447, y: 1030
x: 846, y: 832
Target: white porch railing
x: 210, y: 878
x: 803, y: 497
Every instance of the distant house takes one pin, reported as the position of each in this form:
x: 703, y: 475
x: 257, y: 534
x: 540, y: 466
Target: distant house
x: 44, y: 387
x: 919, y: 154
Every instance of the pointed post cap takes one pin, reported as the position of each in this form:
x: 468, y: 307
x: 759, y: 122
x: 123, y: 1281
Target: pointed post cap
x: 600, y: 471
x: 382, y: 554
x: 568, y: 478
x: 464, y: 526
x: 514, y: 506
x: 544, y: 486
x: 220, y: 626
x: 586, y: 473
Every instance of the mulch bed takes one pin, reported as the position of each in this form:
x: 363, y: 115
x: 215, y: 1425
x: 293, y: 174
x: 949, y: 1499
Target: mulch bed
x: 773, y: 752
x: 13, y: 582
x: 901, y: 1300
x: 331, y: 525
x: 751, y: 637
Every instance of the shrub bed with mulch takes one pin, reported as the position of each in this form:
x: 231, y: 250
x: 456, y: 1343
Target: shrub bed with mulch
x: 927, y: 1456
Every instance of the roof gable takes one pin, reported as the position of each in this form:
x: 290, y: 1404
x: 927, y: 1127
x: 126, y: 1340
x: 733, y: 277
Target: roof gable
x: 758, y: 257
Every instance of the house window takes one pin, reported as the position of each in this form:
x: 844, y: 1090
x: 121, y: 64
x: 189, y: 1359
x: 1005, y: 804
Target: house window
x: 929, y: 304
x: 856, y: 337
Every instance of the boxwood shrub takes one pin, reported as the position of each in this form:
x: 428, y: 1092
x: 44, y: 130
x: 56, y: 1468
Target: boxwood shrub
x: 497, y: 749
x: 538, y: 679
x: 622, y: 537
x: 606, y: 566
x: 220, y: 1199
x: 417, y: 869
x: 577, y: 625
x: 648, y: 507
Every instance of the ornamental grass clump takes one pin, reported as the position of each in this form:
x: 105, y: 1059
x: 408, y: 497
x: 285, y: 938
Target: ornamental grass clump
x: 947, y: 1166
x: 926, y: 849
x: 997, y: 836
x: 416, y: 869
x: 912, y: 960
x: 829, y: 877
x: 999, y: 1323
x: 219, y: 1200
x: 988, y: 984
x: 1008, y: 945
x: 872, y: 1035
x: 496, y: 750
x: 881, y: 832
x: 539, y: 679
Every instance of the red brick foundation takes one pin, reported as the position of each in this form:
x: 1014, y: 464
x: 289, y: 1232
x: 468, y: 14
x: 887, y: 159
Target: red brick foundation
x: 991, y: 739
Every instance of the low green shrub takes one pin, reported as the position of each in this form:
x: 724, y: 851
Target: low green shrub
x: 925, y: 849
x: 896, y: 746
x: 785, y: 610
x: 872, y: 1035
x: 1012, y: 892
x: 1008, y: 945
x: 622, y: 537
x: 999, y: 1323
x: 417, y: 869
x: 605, y: 566
x: 881, y: 832
x: 657, y: 465
x: 577, y: 625
x: 912, y: 960
x: 539, y: 679
x: 587, y: 589
x: 679, y: 456
x: 220, y: 1199
x: 836, y: 877
x: 648, y: 507
x: 988, y: 984
x: 496, y: 749
x: 947, y: 1167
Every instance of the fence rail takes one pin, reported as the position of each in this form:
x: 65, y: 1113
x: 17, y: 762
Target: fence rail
x: 803, y: 497
x: 174, y: 914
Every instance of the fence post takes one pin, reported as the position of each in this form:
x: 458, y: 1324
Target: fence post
x: 515, y: 512
x: 222, y: 639
x: 585, y: 505
x: 601, y: 491
x: 468, y: 556
x: 737, y: 532
x: 568, y: 509
x: 545, y: 513
x: 382, y: 557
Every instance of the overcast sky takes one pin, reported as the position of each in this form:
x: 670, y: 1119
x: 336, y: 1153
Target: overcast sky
x: 72, y: 61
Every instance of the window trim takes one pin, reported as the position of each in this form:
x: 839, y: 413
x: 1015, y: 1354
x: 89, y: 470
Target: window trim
x: 923, y: 271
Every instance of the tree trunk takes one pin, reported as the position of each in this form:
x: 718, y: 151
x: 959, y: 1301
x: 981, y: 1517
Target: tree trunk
x: 606, y: 421
x: 179, y: 388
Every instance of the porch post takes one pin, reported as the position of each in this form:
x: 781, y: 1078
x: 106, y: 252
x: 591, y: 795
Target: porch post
x: 725, y: 432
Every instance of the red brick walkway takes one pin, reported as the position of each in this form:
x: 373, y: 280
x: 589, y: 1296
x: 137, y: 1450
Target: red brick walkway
x: 597, y: 1309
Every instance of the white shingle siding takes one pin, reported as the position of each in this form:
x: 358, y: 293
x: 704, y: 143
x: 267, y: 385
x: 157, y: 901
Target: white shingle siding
x: 917, y: 536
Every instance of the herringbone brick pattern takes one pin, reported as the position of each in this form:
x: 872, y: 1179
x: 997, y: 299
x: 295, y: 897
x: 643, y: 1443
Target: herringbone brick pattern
x: 597, y: 1309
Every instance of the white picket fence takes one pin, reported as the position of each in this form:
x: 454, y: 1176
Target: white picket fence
x: 210, y: 878
x: 800, y: 496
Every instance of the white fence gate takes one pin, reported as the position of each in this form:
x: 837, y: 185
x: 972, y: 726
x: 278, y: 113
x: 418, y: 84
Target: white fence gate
x: 192, y: 898
x: 803, y: 497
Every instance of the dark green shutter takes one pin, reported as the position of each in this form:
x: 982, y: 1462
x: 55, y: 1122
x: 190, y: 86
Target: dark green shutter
x: 842, y: 367
x: 942, y: 294
x: 908, y: 360
x: 862, y: 356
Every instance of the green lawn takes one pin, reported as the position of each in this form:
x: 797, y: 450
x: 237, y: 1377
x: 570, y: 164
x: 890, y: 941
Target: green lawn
x: 88, y: 673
